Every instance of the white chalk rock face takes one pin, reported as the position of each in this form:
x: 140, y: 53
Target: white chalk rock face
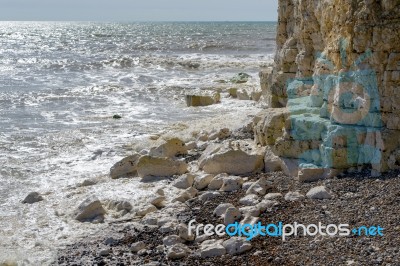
x: 90, y: 210
x: 125, y: 167
x: 212, y: 248
x: 169, y: 148
x: 184, y: 181
x: 231, y: 183
x: 149, y: 166
x: 232, y: 157
x: 319, y: 192
x: 236, y: 245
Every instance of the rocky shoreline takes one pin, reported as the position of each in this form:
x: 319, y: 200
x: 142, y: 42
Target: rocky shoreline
x: 157, y: 234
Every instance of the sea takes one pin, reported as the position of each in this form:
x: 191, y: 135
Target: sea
x: 61, y: 83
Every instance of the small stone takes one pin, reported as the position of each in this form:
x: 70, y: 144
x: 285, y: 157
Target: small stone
x: 158, y: 201
x: 138, y: 246
x: 294, y: 196
x: 231, y: 183
x: 90, y: 210
x: 209, y: 195
x: 260, y: 187
x: 231, y: 215
x: 271, y: 196
x: 184, y: 233
x: 249, y: 200
x: 105, y: 252
x: 236, y: 245
x: 177, y: 251
x: 217, y: 181
x: 202, y: 181
x: 221, y: 209
x: 250, y: 211
x: 319, y: 192
x: 246, y: 185
x: 249, y: 220
x: 32, y: 197
x: 184, y: 181
x: 266, y: 204
x: 212, y: 248
x: 145, y: 210
x: 117, y: 117
x: 171, y: 240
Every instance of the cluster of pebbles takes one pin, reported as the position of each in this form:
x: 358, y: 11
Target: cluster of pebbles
x: 161, y: 237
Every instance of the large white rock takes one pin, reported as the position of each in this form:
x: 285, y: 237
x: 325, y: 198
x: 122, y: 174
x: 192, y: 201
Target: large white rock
x: 212, y: 248
x: 236, y: 245
x: 319, y: 192
x: 149, y: 166
x: 188, y: 194
x: 231, y: 183
x: 232, y: 157
x: 169, y: 148
x: 202, y: 181
x: 90, y: 210
x: 125, y: 167
x: 184, y: 181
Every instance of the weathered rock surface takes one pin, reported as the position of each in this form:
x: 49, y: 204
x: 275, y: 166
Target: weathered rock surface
x: 294, y: 196
x: 32, y: 197
x: 319, y: 192
x: 232, y: 157
x: 90, y: 210
x: 177, y: 251
x: 184, y: 181
x: 332, y: 87
x: 237, y: 245
x: 127, y: 166
x: 149, y: 166
x: 200, y: 100
x: 212, y: 248
x: 169, y: 148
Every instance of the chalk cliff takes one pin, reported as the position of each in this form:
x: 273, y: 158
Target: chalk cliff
x: 335, y: 83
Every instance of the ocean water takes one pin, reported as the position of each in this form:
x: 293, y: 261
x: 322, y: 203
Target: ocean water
x: 61, y: 83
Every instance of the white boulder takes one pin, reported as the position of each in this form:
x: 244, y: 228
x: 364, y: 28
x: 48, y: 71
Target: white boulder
x: 236, y: 245
x: 149, y: 166
x: 127, y: 166
x: 319, y: 192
